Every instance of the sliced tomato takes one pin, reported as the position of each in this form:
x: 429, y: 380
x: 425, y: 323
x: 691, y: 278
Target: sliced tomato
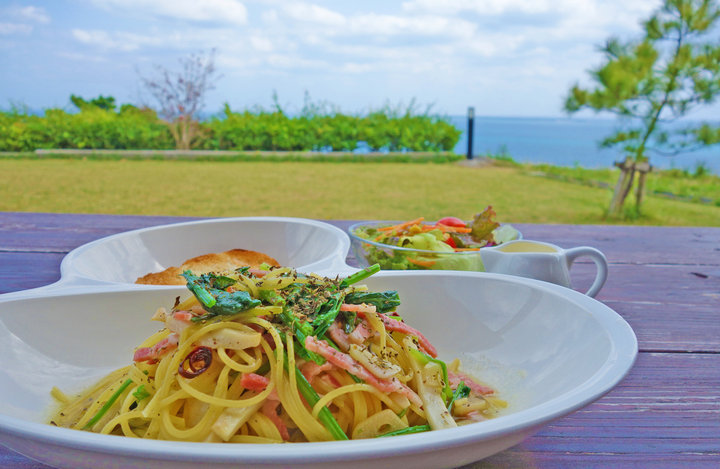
x: 452, y: 221
x: 450, y: 241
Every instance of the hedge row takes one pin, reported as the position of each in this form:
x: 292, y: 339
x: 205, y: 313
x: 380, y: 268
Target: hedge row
x: 134, y: 128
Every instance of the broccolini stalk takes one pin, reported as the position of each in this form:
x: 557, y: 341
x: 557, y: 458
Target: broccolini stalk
x: 141, y: 393
x: 460, y: 391
x: 407, y: 431
x: 312, y: 398
x: 327, y: 314
x: 209, y: 290
x: 350, y: 321
x: 301, y: 330
x: 103, y: 410
x: 424, y: 358
x: 384, y: 302
x: 272, y: 297
x: 203, y: 296
x: 360, y: 275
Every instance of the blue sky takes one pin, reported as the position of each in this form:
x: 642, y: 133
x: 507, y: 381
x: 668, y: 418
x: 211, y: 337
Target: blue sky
x: 504, y: 57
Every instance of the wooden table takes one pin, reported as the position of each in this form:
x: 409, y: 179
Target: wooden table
x: 664, y: 281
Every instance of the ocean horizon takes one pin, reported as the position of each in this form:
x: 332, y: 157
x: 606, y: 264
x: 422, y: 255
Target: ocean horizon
x: 564, y: 141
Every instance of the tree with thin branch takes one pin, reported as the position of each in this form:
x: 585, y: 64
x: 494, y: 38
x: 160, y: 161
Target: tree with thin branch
x: 653, y: 82
x: 181, y: 95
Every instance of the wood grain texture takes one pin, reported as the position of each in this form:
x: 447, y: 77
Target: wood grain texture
x: 665, y: 413
x: 664, y: 281
x: 636, y: 244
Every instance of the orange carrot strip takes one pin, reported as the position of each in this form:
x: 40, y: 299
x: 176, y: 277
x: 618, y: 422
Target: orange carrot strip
x: 402, y: 225
x: 421, y: 263
x: 452, y: 229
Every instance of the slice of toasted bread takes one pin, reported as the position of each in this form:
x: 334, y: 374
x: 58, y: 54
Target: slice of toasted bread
x: 214, y: 262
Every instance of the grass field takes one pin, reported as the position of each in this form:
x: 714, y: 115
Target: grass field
x: 316, y: 190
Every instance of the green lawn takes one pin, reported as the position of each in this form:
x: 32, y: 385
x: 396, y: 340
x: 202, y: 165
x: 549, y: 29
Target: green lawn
x: 316, y: 190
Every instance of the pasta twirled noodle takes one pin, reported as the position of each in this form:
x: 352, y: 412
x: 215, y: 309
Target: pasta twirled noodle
x: 270, y: 355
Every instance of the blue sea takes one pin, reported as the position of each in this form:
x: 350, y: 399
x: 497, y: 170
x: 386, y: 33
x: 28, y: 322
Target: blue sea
x: 564, y: 142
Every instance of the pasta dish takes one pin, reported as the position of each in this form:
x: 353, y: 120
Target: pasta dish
x: 270, y: 355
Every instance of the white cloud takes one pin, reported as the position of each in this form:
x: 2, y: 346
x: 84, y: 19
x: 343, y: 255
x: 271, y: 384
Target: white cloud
x: 426, y: 48
x: 563, y: 18
x: 101, y: 39
x: 261, y: 44
x: 353, y: 67
x: 269, y: 16
x: 393, y: 25
x: 21, y: 15
x: 121, y: 41
x: 32, y: 13
x: 314, y: 14
x: 488, y: 7
x: 220, y: 11
x: 8, y: 29
x: 286, y: 62
x: 82, y: 57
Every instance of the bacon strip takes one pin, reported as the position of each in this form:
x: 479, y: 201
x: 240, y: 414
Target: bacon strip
x: 361, y: 333
x: 269, y: 409
x: 358, y: 336
x: 311, y: 369
x: 254, y: 382
x: 338, y: 335
x: 347, y: 363
x: 456, y: 377
x: 399, y: 326
x: 353, y: 308
x: 143, y: 354
x: 184, y: 316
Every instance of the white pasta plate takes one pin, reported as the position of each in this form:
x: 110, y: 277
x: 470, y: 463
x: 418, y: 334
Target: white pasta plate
x: 306, y: 245
x: 547, y: 349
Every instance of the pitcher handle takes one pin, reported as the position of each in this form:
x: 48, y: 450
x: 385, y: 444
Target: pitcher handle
x: 600, y: 263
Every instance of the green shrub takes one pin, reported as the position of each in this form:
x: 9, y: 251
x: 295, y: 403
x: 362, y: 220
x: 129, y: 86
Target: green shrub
x: 91, y: 128
x: 379, y: 131
x: 98, y: 125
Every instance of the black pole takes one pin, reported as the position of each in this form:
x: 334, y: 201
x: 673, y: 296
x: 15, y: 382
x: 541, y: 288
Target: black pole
x: 471, y: 119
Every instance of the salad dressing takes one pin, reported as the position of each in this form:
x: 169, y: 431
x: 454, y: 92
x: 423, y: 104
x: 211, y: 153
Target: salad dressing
x: 525, y: 246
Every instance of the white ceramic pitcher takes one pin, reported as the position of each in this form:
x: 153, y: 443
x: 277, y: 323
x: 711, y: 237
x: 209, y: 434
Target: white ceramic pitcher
x: 543, y: 261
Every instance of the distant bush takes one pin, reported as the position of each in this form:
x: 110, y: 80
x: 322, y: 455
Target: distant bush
x: 98, y: 126
x: 377, y: 131
x: 91, y: 128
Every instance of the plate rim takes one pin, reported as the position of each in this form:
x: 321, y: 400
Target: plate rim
x: 620, y: 360
x: 70, y: 275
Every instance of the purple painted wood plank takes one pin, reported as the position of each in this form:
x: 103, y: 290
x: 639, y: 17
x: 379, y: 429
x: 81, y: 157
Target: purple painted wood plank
x: 23, y: 270
x: 668, y: 307
x: 636, y: 244
x: 666, y: 409
x: 64, y: 232
x: 12, y: 460
x: 571, y: 460
x: 622, y: 244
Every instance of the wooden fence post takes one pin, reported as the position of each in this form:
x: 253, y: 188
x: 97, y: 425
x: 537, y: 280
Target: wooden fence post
x: 642, y: 168
x: 623, y: 185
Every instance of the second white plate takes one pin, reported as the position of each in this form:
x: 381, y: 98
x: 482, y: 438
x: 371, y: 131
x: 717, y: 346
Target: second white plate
x: 306, y: 245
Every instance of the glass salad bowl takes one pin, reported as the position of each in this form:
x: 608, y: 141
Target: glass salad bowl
x: 440, y: 256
